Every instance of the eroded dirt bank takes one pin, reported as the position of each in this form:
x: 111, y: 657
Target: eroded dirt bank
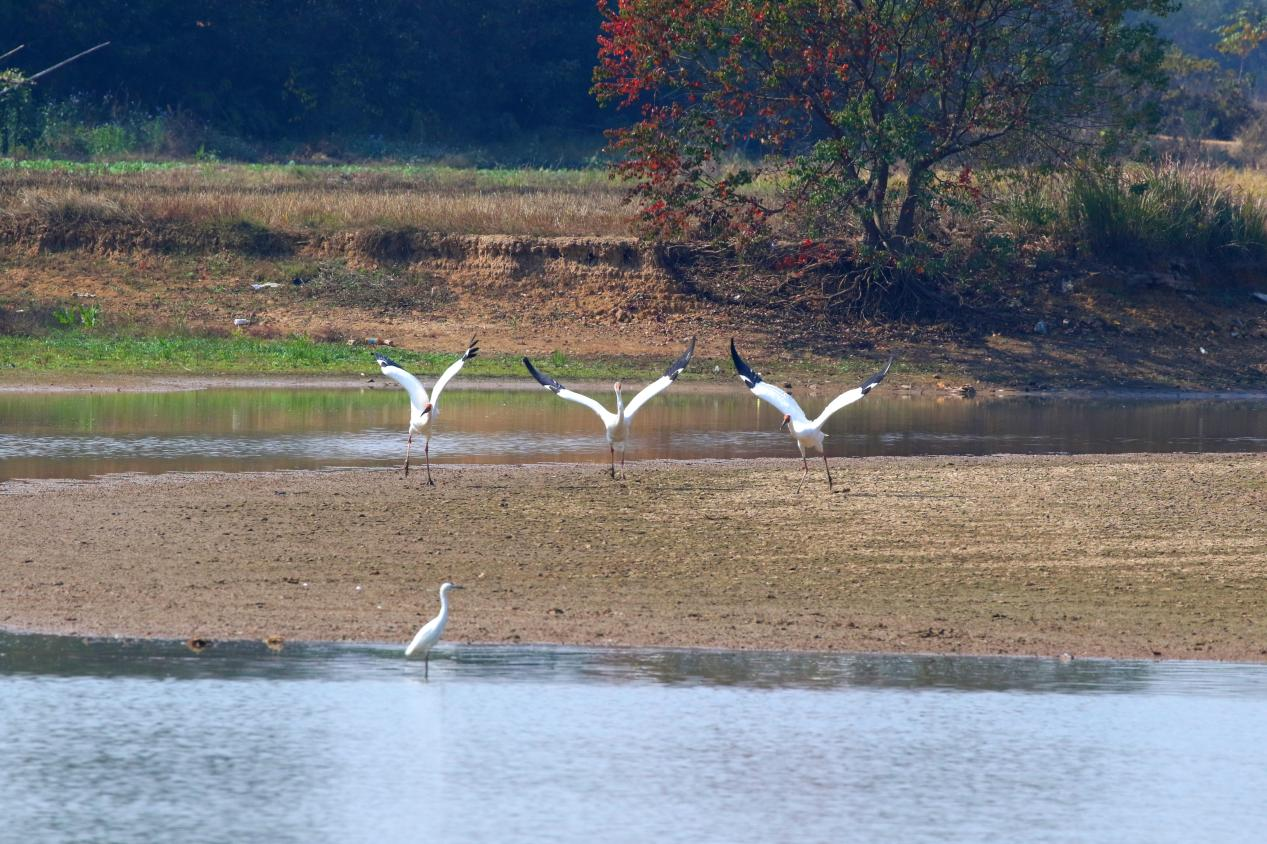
x: 1141, y: 555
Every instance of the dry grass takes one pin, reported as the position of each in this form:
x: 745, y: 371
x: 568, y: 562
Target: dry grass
x: 544, y: 203
x: 298, y: 200
x: 1138, y: 214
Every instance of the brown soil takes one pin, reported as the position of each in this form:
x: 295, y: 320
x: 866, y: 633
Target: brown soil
x: 1141, y: 555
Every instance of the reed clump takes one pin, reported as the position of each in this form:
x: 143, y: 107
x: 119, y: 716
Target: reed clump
x: 1139, y: 215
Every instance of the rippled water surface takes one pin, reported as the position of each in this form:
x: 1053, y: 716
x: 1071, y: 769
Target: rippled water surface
x: 142, y: 742
x: 82, y: 435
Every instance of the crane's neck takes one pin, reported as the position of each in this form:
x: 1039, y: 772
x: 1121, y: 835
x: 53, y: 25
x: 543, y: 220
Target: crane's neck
x: 620, y: 403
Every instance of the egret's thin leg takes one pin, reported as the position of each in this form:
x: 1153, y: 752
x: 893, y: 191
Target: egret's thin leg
x: 828, y: 468
x: 426, y: 449
x: 408, y: 443
x: 426, y: 665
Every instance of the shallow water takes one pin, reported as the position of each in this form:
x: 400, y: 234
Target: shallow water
x: 123, y: 742
x: 87, y: 434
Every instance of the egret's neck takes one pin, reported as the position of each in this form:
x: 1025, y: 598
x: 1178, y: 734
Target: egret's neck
x: 444, y: 602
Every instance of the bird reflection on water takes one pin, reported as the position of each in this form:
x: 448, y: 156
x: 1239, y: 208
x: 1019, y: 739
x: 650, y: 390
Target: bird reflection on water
x: 306, y: 743
x: 83, y: 435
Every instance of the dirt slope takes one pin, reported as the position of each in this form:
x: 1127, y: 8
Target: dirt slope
x: 618, y: 296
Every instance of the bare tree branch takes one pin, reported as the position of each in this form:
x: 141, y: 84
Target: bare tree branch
x: 65, y: 62
x: 27, y: 80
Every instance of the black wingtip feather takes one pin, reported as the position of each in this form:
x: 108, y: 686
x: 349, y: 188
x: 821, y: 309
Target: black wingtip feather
x: 675, y: 368
x: 870, y: 383
x: 472, y: 349
x: 749, y: 377
x: 543, y: 379
x: 384, y: 360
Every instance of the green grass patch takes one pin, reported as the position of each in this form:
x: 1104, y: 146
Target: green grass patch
x: 87, y: 353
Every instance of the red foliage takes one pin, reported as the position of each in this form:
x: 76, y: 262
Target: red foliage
x: 830, y: 101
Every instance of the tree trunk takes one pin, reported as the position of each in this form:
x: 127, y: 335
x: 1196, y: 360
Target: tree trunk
x: 873, y: 222
x: 915, y: 185
x: 872, y: 234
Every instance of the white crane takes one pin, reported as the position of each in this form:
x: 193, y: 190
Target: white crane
x: 422, y: 408
x: 807, y: 433
x: 425, y: 639
x: 617, y: 424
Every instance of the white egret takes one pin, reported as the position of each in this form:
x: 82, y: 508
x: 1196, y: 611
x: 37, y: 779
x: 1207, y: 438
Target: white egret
x: 422, y: 408
x: 425, y: 639
x: 617, y: 424
x: 807, y: 433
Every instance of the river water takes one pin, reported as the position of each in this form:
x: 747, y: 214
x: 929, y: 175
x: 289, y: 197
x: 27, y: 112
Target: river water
x: 148, y: 741
x: 81, y: 435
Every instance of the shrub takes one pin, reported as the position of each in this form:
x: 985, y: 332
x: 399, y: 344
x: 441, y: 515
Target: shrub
x: 73, y: 316
x: 1166, y: 211
x: 1253, y: 141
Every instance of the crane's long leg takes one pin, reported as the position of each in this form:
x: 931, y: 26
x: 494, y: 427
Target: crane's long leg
x: 622, y: 463
x: 828, y: 468
x: 426, y: 449
x: 613, y: 451
x: 805, y: 466
x: 426, y: 665
x: 408, y: 443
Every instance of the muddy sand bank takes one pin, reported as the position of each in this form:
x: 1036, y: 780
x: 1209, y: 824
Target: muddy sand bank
x: 1138, y: 555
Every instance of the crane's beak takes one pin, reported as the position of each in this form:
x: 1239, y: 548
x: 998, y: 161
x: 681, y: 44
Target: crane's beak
x: 787, y: 420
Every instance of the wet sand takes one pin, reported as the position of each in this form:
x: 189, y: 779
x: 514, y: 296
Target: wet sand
x: 1129, y: 556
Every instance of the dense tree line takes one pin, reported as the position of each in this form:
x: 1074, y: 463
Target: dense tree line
x: 442, y: 71
x: 369, y: 77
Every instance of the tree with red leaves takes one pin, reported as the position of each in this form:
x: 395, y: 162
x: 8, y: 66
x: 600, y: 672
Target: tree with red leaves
x: 856, y: 117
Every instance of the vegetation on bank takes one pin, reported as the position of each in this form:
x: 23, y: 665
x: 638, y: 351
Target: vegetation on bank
x: 1134, y: 216
x: 68, y: 352
x: 888, y: 158
x: 858, y: 122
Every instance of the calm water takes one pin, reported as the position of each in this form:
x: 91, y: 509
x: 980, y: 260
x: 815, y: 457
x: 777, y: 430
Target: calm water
x: 82, y: 435
x: 143, y: 742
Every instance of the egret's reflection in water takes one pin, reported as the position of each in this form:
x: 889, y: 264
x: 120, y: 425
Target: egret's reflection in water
x: 148, y: 741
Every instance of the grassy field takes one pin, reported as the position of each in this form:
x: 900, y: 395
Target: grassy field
x: 77, y: 352
x: 85, y: 353
x: 313, y: 198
